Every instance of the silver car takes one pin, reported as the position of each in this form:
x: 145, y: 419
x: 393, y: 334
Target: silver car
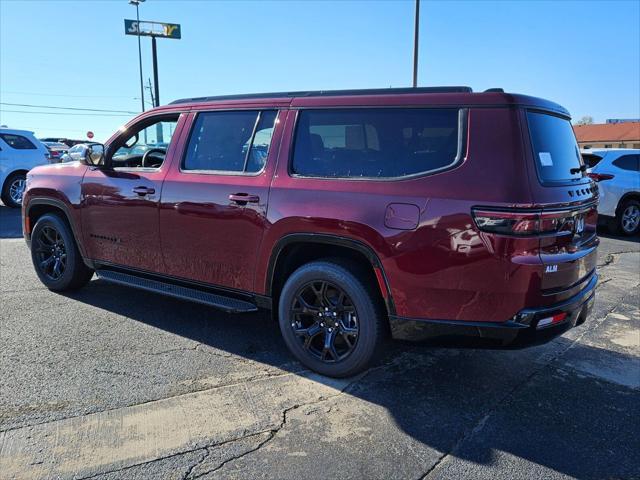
x: 617, y: 172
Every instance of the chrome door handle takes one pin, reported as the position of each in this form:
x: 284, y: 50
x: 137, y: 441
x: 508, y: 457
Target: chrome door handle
x: 243, y: 198
x: 142, y: 191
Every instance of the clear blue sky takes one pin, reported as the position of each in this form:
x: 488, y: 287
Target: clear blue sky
x: 582, y: 54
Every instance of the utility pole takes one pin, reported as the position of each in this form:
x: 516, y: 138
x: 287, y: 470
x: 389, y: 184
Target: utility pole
x: 154, y: 52
x: 137, y: 4
x: 415, y: 44
x: 153, y: 102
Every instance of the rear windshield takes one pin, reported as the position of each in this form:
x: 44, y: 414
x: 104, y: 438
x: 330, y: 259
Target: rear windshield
x: 591, y: 159
x: 555, y: 149
x: 376, y: 143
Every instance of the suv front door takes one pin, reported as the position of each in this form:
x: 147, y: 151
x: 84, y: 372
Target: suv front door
x: 214, y: 200
x: 120, y: 203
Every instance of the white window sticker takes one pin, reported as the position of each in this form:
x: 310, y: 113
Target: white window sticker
x: 545, y: 159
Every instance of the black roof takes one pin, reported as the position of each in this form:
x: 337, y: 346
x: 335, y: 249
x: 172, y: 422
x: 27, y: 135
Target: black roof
x: 328, y: 93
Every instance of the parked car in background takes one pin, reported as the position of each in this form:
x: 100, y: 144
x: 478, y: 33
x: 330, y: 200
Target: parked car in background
x: 617, y: 172
x: 20, y: 151
x: 56, y: 150
x: 352, y: 214
x: 67, y: 141
x: 72, y: 151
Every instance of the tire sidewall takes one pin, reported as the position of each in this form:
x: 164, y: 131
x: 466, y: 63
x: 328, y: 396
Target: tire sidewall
x: 69, y: 243
x: 6, y: 197
x: 624, y: 206
x: 368, y: 334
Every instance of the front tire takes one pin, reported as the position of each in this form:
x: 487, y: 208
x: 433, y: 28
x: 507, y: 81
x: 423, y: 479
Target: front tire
x: 330, y: 319
x: 628, y: 217
x: 56, y: 257
x: 13, y: 189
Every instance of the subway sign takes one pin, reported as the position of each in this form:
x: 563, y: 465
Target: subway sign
x: 152, y: 29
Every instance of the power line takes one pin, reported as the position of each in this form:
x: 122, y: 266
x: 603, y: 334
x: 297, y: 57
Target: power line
x: 66, y: 108
x: 68, y: 113
x: 66, y: 95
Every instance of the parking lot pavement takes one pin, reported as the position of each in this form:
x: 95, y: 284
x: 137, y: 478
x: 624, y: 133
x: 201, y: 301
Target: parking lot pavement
x: 113, y: 383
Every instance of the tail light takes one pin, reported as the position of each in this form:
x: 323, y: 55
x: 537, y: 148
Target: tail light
x: 598, y: 177
x: 525, y: 222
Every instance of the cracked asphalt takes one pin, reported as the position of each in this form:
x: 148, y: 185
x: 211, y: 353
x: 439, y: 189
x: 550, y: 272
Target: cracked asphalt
x: 113, y: 383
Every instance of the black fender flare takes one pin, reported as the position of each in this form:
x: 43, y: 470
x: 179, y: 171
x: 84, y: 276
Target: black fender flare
x: 53, y: 202
x: 328, y: 239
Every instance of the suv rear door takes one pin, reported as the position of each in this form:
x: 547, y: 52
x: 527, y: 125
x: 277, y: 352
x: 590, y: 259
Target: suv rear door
x: 214, y: 200
x: 567, y: 198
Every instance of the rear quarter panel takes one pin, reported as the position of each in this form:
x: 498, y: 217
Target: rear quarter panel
x: 444, y: 268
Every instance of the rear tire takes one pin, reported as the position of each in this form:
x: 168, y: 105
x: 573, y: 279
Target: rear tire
x: 13, y: 189
x: 56, y: 257
x: 330, y: 319
x: 628, y: 217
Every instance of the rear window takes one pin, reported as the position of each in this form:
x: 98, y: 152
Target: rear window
x: 376, y: 143
x: 17, y: 141
x: 591, y: 160
x: 235, y: 141
x: 555, y: 149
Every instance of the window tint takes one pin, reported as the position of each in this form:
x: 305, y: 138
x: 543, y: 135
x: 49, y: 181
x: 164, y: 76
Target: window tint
x: 591, y: 159
x: 628, y: 162
x: 227, y: 142
x: 375, y: 143
x: 555, y: 149
x: 18, y: 141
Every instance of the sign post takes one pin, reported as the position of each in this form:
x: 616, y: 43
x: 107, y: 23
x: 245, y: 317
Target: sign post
x: 153, y: 30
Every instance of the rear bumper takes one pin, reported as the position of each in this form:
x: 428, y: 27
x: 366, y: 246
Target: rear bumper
x: 521, y: 330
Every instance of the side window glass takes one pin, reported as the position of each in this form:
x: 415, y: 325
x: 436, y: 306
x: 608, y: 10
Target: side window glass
x: 375, y: 143
x: 627, y: 162
x: 261, y: 141
x: 235, y: 141
x: 17, y: 141
x: 154, y: 138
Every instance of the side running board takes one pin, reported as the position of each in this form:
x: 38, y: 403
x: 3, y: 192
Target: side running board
x: 228, y: 304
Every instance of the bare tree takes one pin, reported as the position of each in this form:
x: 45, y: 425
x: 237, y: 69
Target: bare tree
x: 586, y: 120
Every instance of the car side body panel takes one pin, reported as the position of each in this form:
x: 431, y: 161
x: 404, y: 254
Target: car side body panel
x: 437, y: 263
x: 438, y: 269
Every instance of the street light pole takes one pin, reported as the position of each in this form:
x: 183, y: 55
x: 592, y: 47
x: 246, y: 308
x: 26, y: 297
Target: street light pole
x: 137, y: 4
x: 415, y: 44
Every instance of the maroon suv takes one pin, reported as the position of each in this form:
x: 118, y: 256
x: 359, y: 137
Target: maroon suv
x: 351, y: 214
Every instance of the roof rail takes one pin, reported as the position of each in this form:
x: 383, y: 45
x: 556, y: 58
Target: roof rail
x: 494, y: 90
x: 327, y: 93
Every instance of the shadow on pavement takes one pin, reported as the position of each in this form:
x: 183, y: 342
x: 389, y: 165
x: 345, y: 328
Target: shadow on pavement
x: 10, y: 222
x: 574, y: 424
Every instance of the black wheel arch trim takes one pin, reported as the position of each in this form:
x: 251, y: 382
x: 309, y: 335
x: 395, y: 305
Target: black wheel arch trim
x: 328, y: 239
x: 625, y: 197
x: 52, y: 202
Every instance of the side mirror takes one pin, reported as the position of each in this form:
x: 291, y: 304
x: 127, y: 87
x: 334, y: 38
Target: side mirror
x: 92, y: 155
x: 95, y: 155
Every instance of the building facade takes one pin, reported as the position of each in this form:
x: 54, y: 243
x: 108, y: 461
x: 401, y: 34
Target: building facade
x: 608, y: 135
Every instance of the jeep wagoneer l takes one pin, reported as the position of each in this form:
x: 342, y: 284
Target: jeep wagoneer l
x: 353, y: 215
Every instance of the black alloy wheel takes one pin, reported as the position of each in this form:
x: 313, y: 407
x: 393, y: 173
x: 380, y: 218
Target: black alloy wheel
x: 331, y: 317
x: 325, y: 321
x: 50, y: 252
x: 55, y: 255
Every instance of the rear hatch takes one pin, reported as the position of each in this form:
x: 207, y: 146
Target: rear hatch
x: 567, y: 199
